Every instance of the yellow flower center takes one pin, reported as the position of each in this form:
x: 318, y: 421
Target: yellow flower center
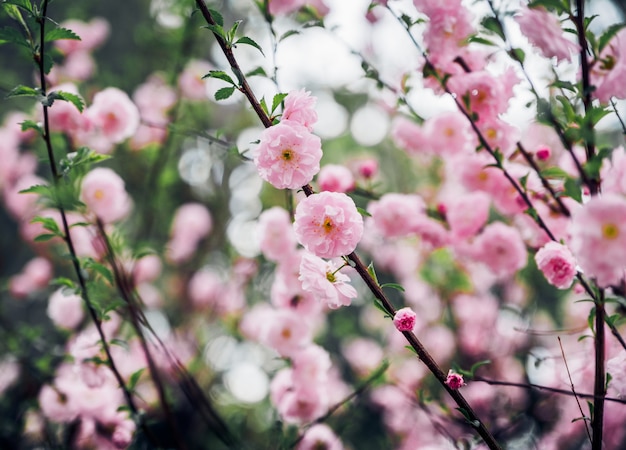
x: 449, y: 132
x: 330, y: 277
x: 286, y: 333
x: 610, y: 231
x: 327, y: 225
x: 99, y: 194
x: 287, y: 154
x: 491, y: 133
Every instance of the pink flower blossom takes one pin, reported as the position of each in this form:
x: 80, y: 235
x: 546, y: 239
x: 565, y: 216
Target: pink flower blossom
x: 104, y: 194
x: 328, y: 224
x: 92, y: 34
x: 192, y: 223
x: 206, y: 289
x: 608, y: 75
x: 367, y: 168
x: 325, y: 282
x: 409, y: 136
x: 454, y: 380
x: 300, y: 108
x: 598, y: 238
x: 320, y: 436
x: 190, y: 81
x: 404, y: 319
x: 113, y: 116
x: 467, y: 213
x: 501, y: 248
x: 35, y: 275
x: 275, y: 234
x: 543, y: 30
x: 288, y: 156
x: 449, y: 133
x: 286, y: 331
x: 335, y: 178
x: 397, y: 215
x: 557, y: 264
x: 65, y: 311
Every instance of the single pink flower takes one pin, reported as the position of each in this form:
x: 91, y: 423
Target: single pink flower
x: 92, y: 34
x: 328, y: 224
x: 367, y: 168
x: 455, y: 380
x: 104, y: 194
x: 543, y: 30
x: 288, y: 156
x: 190, y: 81
x: 300, y: 108
x: 409, y: 136
x: 598, y: 238
x: 325, y: 282
x: 113, y: 115
x: 335, y: 178
x: 404, y: 319
x: 608, y: 75
x: 467, y: 213
x: 320, y: 436
x: 192, y: 223
x: 449, y: 133
x: 557, y: 264
x: 66, y: 311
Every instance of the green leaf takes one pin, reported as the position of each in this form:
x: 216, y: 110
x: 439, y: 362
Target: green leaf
x: 56, y: 34
x: 288, y: 34
x: 217, y: 30
x: 68, y: 97
x: 31, y: 125
x: 24, y: 91
x: 561, y: 84
x: 39, y: 189
x: 224, y: 93
x: 100, y: 269
x: 247, y: 41
x: 480, y: 40
x: 220, y: 75
x: 10, y: 35
x: 554, y: 172
x: 278, y: 99
x: 396, y: 286
x: 518, y: 54
x: 63, y: 282
x: 372, y: 272
x: 49, y: 224
x: 572, y: 189
x: 24, y: 4
x: 492, y: 24
x: 608, y: 34
x: 363, y: 212
x: 411, y: 349
x: 233, y: 31
x: 44, y: 237
x: 134, y: 378
x: 259, y: 71
x: 217, y: 17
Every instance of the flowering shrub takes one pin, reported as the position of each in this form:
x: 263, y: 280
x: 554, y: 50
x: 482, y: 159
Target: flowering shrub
x: 201, y: 252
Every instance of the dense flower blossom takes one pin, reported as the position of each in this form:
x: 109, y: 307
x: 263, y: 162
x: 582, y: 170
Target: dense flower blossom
x: 544, y: 31
x: 404, y: 319
x: 328, y: 224
x: 288, y: 156
x: 598, y: 238
x: 104, y: 194
x: 323, y: 280
x: 300, y: 108
x: 557, y: 264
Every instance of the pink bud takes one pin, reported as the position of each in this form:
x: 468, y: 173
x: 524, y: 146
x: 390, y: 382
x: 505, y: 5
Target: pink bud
x: 404, y: 319
x: 454, y: 380
x: 543, y: 153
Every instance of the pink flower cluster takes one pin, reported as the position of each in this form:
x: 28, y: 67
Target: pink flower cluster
x: 288, y: 155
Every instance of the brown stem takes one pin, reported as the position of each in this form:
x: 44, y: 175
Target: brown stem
x: 599, y: 389
x: 68, y: 237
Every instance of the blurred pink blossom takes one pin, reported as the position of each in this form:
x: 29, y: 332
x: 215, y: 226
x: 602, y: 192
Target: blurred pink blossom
x: 104, y: 194
x: 275, y: 233
x: 397, y: 215
x: 335, y: 178
x: 557, y: 264
x: 65, y: 311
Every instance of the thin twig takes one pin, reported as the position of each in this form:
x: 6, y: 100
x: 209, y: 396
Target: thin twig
x: 571, y: 382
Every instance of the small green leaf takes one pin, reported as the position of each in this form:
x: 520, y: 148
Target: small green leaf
x: 220, y: 75
x: 278, y: 99
x: 411, y: 349
x: 288, y: 34
x: 247, y: 41
x: 572, y: 189
x: 24, y: 4
x: 363, y: 212
x: 233, y: 31
x: 24, y: 91
x: 217, y: 30
x: 44, y: 237
x: 10, y: 35
x: 518, y: 54
x: 396, y: 286
x: 56, y: 34
x: 608, y: 34
x: 372, y: 272
x: 134, y: 378
x: 39, y: 189
x: 217, y: 17
x: 31, y: 125
x: 49, y: 224
x: 554, y: 172
x: 492, y: 24
x: 259, y: 71
x: 68, y: 97
x: 224, y: 93
x: 63, y: 282
x: 480, y: 40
